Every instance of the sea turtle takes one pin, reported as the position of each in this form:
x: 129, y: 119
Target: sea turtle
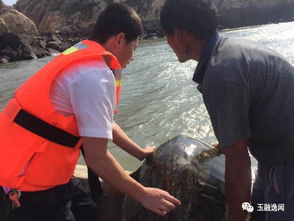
x: 189, y: 170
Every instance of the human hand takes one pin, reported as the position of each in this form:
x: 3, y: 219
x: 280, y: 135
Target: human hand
x: 158, y: 201
x: 216, y: 145
x: 146, y: 152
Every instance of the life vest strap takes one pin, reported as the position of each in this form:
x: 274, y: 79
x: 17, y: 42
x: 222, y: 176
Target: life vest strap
x: 45, y: 130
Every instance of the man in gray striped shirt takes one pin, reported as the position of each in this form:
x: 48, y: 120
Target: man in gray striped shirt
x: 248, y: 91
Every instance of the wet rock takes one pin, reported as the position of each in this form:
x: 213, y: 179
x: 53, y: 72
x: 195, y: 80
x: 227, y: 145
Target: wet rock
x: 38, y: 45
x: 4, y: 59
x: 51, y: 37
x: 8, y: 53
x: 54, y: 45
x: 26, y: 53
x: 16, y: 33
x: 15, y: 48
x: 11, y: 40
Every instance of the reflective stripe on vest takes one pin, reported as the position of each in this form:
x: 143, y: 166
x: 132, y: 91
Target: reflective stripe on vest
x: 117, y: 72
x: 30, y: 160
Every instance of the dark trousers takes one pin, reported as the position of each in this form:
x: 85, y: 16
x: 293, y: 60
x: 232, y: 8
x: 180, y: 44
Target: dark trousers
x: 63, y: 203
x: 4, y: 206
x: 274, y: 186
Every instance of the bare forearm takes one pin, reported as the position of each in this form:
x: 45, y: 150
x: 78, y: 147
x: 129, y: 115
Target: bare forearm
x: 237, y: 178
x: 121, y: 139
x: 103, y: 164
x: 110, y: 171
x: 238, y: 190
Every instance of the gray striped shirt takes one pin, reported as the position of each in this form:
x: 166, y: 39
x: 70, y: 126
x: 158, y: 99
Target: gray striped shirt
x: 248, y: 91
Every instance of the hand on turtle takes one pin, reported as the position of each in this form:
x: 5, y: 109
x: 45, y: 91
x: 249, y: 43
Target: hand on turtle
x: 216, y: 145
x: 158, y: 201
x: 146, y: 152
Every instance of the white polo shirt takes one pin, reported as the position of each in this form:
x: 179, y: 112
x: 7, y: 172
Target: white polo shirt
x: 87, y: 91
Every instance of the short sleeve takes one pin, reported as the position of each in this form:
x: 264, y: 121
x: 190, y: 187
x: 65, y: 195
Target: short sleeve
x: 228, y: 106
x: 92, y: 97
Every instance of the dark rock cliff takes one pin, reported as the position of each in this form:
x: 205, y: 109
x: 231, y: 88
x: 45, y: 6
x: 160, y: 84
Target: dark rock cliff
x: 50, y: 15
x: 37, y: 28
x: 20, y: 39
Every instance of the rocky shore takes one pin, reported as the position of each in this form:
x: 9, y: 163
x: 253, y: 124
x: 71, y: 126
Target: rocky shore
x: 15, y: 47
x: 20, y: 39
x: 34, y: 29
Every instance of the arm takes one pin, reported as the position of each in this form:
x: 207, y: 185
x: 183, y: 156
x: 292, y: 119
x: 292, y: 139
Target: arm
x: 121, y: 139
x: 228, y: 105
x: 103, y: 164
x: 237, y: 179
x: 90, y: 95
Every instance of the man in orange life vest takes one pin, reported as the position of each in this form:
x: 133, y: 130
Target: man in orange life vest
x: 70, y: 102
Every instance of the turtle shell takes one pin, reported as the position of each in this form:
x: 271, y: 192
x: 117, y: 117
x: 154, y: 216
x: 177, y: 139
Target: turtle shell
x: 191, y: 171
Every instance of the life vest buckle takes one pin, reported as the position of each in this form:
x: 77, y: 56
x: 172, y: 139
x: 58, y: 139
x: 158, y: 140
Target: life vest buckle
x: 14, y: 196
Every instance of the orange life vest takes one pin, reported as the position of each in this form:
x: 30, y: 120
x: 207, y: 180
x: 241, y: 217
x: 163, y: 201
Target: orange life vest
x: 33, y: 161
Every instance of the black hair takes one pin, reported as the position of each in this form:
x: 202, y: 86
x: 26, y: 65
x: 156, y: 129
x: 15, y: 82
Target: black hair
x: 114, y: 19
x: 198, y: 17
